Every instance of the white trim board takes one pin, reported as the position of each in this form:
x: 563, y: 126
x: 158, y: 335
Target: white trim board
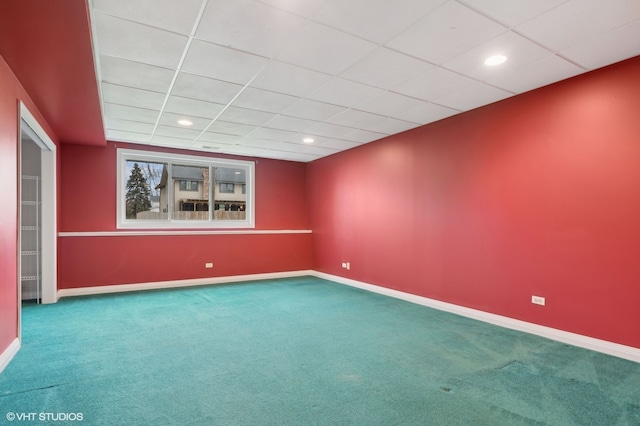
x: 160, y: 285
x: 143, y: 233
x: 621, y: 351
x: 8, y: 354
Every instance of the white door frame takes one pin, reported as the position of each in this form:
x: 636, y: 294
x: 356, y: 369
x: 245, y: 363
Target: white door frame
x: 48, y: 206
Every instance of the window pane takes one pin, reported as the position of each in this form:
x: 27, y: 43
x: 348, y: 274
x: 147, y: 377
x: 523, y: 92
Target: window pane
x: 158, y: 190
x: 230, y: 200
x: 143, y: 199
x: 191, y: 192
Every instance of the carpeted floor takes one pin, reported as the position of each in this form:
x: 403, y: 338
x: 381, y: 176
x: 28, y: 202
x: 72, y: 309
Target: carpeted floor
x: 299, y: 351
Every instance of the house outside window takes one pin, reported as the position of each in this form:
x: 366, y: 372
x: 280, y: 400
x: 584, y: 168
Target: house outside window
x: 226, y: 188
x: 163, y: 190
x: 188, y: 185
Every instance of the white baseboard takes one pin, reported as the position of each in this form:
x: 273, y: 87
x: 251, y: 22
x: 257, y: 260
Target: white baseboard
x: 621, y: 351
x: 9, y: 353
x: 159, y: 285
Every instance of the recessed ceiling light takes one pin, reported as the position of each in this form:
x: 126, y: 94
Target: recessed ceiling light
x: 185, y: 122
x: 307, y: 140
x: 495, y: 60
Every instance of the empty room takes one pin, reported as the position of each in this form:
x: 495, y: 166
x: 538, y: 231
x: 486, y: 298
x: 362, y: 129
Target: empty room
x: 356, y: 212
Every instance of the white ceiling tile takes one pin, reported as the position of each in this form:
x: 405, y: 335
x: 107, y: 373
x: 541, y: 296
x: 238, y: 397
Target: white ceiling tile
x: 205, y: 89
x: 264, y: 100
x: 338, y: 91
x: 293, y: 124
x: 119, y: 135
x: 513, y: 12
x: 295, y: 156
x: 432, y: 84
x: 389, y: 104
x: 134, y: 74
x: 339, y: 144
x: 136, y: 42
x: 354, y: 118
x: 312, y: 110
x: 300, y: 157
x: 577, y: 20
x: 445, y: 33
x: 362, y: 136
x: 272, y: 134
x: 218, y: 138
x: 222, y: 63
x: 177, y: 132
x: 173, y: 15
x: 377, y: 21
x: 385, y: 68
x: 207, y: 146
x: 230, y: 128
x: 473, y: 96
x: 426, y: 113
x: 252, y: 151
x: 324, y: 49
x: 192, y: 107
x: 131, y: 113
x: 536, y: 74
x: 248, y: 25
x: 238, y: 149
x: 246, y: 116
x: 129, y: 126
x: 260, y: 143
x: 289, y: 79
x: 390, y: 126
x: 606, y: 48
x: 321, y: 150
x: 317, y: 140
x: 123, y: 95
x: 300, y: 138
x: 328, y: 130
x: 518, y: 50
x: 170, y: 141
x: 171, y: 119
x: 306, y: 8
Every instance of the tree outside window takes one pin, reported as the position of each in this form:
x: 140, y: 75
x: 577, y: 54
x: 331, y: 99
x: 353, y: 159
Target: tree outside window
x: 138, y: 196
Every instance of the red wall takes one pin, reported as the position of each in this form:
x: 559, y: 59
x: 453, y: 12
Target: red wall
x: 535, y: 195
x: 89, y: 205
x: 11, y: 92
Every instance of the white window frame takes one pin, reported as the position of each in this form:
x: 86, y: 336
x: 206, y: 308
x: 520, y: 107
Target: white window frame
x: 124, y: 155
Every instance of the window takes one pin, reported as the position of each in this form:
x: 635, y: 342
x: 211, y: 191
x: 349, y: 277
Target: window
x: 158, y: 190
x: 226, y: 188
x: 188, y: 185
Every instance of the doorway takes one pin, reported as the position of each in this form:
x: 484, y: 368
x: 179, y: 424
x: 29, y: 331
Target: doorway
x: 37, y: 215
x: 30, y: 219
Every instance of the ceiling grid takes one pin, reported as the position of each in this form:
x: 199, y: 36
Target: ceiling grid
x: 259, y: 78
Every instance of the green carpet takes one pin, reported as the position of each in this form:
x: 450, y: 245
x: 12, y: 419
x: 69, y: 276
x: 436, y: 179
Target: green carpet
x: 299, y: 351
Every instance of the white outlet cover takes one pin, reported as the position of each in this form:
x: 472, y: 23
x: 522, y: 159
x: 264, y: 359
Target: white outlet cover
x: 538, y: 300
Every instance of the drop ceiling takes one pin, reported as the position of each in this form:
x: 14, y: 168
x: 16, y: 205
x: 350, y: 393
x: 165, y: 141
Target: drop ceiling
x: 258, y: 77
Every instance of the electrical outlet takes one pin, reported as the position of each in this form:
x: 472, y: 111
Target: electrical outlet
x: 208, y: 265
x: 537, y: 300
x: 346, y: 265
